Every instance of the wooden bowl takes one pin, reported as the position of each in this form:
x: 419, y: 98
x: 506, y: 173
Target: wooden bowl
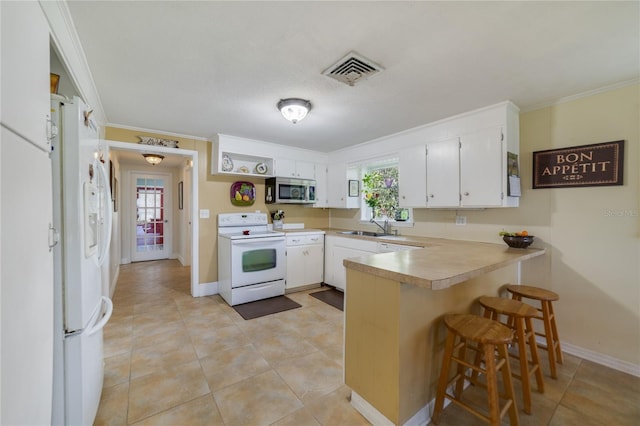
x: 518, y: 242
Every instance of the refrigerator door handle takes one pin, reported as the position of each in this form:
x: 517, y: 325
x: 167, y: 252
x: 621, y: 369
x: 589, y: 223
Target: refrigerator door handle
x: 108, y: 210
x: 105, y: 318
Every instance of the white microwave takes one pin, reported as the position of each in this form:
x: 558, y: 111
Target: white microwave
x: 290, y: 191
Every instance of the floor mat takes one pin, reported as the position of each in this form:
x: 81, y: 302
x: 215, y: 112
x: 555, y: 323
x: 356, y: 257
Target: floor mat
x: 331, y: 297
x: 263, y: 307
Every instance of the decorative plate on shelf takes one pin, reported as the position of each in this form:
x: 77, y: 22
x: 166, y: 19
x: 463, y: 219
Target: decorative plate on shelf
x: 243, y: 169
x: 261, y: 168
x: 227, y: 163
x: 243, y: 193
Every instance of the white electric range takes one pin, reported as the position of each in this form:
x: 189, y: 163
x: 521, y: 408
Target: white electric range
x: 251, y: 258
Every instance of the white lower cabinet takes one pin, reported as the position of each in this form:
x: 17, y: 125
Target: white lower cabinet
x: 305, y: 260
x: 339, y: 248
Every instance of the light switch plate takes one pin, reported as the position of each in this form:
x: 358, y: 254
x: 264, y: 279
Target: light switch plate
x: 204, y: 213
x: 461, y: 220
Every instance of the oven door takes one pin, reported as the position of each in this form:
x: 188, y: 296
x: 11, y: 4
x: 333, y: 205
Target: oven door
x: 257, y: 260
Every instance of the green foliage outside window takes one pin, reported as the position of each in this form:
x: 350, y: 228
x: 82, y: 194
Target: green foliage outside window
x: 380, y: 192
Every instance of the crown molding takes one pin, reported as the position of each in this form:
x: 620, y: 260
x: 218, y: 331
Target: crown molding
x: 67, y: 44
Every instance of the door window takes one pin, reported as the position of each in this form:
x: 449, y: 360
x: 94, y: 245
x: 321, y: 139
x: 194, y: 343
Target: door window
x: 149, y: 214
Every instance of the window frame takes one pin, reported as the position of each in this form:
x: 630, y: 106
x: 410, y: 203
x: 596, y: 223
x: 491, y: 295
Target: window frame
x: 365, y: 210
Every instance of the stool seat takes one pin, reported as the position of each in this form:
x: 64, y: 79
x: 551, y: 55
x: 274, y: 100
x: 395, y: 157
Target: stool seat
x: 519, y: 317
x: 479, y: 329
x: 535, y: 293
x: 491, y: 339
x: 508, y: 306
x: 548, y: 317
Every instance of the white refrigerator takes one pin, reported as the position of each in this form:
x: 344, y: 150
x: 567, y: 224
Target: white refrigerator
x: 82, y: 212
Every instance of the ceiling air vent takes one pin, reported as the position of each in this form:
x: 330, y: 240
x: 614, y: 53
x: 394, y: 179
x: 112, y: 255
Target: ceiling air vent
x: 352, y: 69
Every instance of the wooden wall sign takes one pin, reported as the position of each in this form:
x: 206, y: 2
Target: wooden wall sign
x: 598, y: 164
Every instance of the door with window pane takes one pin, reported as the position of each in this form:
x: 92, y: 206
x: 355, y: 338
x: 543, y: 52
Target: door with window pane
x: 152, y: 207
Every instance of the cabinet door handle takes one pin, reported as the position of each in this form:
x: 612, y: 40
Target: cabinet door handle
x: 430, y: 195
x: 466, y: 194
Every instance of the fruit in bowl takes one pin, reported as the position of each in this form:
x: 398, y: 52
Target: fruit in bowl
x: 520, y: 239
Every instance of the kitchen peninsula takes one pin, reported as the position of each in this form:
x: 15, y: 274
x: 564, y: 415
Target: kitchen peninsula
x: 394, y: 336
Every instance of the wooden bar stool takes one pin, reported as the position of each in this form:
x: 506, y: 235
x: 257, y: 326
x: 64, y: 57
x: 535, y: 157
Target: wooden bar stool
x: 488, y: 336
x: 547, y: 316
x: 520, y: 315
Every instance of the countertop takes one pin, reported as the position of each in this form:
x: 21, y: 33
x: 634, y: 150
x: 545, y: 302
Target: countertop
x: 440, y: 264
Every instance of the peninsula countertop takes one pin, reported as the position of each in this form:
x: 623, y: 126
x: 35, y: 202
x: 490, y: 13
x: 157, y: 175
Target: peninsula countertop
x: 440, y: 263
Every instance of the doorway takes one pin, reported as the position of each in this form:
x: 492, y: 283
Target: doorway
x: 190, y: 205
x: 152, y: 207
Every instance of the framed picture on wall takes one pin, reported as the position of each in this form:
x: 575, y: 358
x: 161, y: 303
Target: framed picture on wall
x: 354, y: 188
x: 180, y: 195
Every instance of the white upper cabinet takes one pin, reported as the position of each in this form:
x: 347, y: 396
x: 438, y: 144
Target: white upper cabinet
x: 286, y: 167
x: 25, y: 95
x: 467, y: 171
x: 338, y: 186
x: 443, y: 173
x: 412, y: 177
x: 322, y: 193
x: 481, y: 168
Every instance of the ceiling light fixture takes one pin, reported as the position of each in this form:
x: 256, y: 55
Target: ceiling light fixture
x: 294, y: 109
x: 153, y: 159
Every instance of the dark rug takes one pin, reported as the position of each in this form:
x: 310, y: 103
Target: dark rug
x: 263, y: 307
x: 331, y: 297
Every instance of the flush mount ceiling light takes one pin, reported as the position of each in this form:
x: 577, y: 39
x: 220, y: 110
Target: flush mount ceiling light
x: 294, y: 109
x: 153, y: 159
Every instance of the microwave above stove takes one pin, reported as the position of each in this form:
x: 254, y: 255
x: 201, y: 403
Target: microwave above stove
x: 290, y: 191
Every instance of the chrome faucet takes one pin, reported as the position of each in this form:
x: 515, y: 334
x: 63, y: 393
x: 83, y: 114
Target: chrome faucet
x: 386, y: 228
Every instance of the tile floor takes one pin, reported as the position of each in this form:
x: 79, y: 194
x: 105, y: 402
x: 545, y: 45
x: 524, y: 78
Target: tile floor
x: 176, y: 360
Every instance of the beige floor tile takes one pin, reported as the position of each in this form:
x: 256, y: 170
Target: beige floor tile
x: 117, y: 369
x: 159, y: 334
x: 199, y: 412
x: 217, y: 339
x: 228, y: 367
x: 160, y: 391
x: 169, y: 353
x: 113, y: 407
x: 259, y: 400
x: 310, y: 376
x: 602, y: 402
x: 200, y: 320
x: 335, y: 409
x: 278, y: 347
x: 564, y: 416
x: 301, y: 417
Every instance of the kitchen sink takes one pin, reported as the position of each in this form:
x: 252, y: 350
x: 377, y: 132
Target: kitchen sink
x: 364, y: 233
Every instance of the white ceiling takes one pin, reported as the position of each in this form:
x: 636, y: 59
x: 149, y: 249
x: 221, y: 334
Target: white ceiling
x: 200, y: 68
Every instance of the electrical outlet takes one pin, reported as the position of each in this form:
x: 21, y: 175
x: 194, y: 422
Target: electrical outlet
x: 204, y: 213
x: 461, y: 220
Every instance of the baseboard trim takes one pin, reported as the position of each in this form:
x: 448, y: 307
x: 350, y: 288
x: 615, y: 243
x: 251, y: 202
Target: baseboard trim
x: 598, y: 358
x: 368, y: 411
x: 207, y: 289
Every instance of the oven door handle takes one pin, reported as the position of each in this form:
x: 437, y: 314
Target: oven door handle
x: 253, y: 241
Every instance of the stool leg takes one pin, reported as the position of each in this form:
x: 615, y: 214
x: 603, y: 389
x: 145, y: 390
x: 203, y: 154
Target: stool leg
x: 524, y: 364
x: 549, y: 336
x: 508, y: 386
x: 556, y: 338
x: 460, y: 369
x: 478, y: 358
x: 444, y: 374
x: 492, y: 384
x: 533, y: 347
